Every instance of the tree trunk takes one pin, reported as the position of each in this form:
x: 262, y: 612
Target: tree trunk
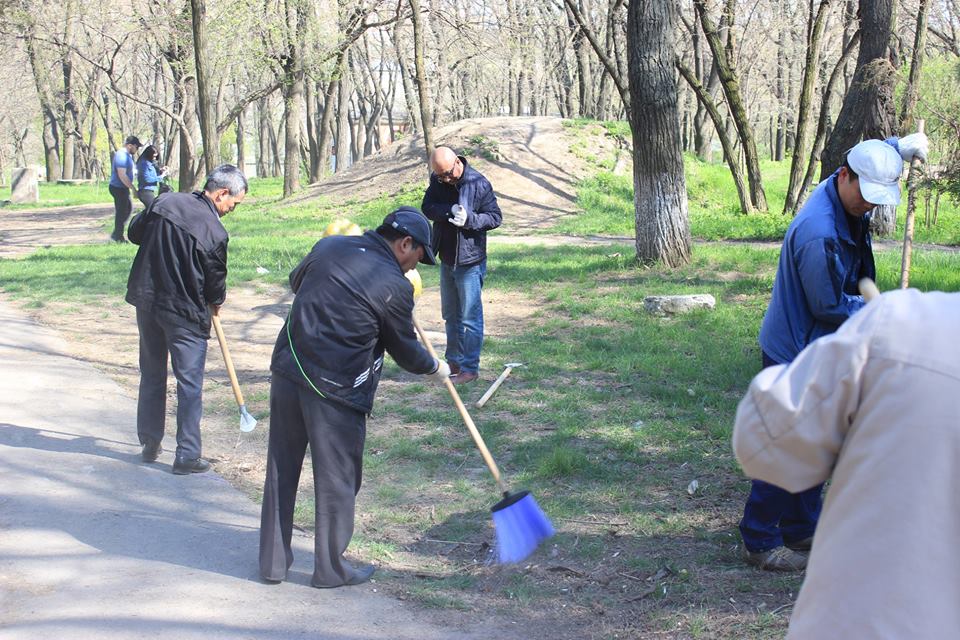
x: 810, y: 69
x: 867, y: 109
x: 423, y: 89
x: 293, y: 74
x: 824, y: 120
x: 916, y: 66
x: 263, y: 137
x: 343, y: 124
x: 208, y: 123
x: 729, y: 153
x: 188, y: 170
x: 241, y: 148
x: 738, y: 112
x: 660, y: 194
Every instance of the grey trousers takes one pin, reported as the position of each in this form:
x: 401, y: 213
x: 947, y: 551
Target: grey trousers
x: 335, y: 433
x: 188, y: 355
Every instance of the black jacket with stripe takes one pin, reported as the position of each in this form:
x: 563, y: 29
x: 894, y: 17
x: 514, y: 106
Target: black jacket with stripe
x: 352, y: 303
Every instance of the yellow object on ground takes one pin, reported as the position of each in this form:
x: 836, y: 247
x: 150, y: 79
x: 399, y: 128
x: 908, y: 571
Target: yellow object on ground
x: 414, y: 277
x: 342, y: 227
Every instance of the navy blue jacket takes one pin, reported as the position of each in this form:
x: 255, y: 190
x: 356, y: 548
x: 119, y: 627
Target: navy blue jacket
x: 467, y: 245
x: 352, y: 303
x: 825, y: 254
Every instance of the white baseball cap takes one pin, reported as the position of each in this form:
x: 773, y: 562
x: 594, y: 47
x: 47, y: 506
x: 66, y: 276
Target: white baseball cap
x: 879, y: 166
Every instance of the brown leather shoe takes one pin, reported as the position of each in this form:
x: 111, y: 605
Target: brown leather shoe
x: 777, y: 559
x: 454, y: 367
x: 463, y: 377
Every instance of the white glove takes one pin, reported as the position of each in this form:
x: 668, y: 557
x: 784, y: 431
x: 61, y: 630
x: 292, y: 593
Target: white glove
x: 442, y: 372
x: 914, y: 145
x: 459, y: 215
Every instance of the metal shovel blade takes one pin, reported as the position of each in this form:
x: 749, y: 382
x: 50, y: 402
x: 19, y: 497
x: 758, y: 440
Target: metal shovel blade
x: 247, y: 422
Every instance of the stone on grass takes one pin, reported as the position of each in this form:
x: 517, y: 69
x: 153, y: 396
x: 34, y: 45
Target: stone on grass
x: 674, y: 305
x: 25, y: 185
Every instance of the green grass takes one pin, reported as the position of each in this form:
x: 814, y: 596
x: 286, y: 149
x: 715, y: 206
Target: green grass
x: 62, y: 195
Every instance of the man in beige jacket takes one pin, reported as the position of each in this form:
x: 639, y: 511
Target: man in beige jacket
x: 875, y: 406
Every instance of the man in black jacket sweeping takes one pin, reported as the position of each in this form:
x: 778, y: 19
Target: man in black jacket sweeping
x: 352, y: 304
x: 178, y: 279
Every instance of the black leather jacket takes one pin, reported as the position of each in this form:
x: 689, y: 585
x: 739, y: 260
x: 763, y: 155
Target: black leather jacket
x: 352, y: 303
x: 181, y: 265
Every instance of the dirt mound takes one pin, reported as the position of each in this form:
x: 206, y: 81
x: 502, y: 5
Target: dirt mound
x: 531, y: 163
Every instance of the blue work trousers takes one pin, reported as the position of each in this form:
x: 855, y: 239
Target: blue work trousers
x: 773, y: 516
x: 462, y: 311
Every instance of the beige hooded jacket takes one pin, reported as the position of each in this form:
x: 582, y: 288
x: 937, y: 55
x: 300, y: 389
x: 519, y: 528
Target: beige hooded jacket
x: 875, y: 407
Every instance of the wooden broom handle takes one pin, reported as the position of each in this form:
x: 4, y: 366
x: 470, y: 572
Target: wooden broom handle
x: 493, y: 388
x: 227, y: 360
x: 464, y: 414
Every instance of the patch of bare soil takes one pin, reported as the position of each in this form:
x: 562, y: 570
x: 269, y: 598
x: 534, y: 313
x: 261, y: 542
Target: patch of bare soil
x: 529, y: 162
x: 24, y: 230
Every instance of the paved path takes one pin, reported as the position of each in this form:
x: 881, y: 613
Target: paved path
x: 96, y: 544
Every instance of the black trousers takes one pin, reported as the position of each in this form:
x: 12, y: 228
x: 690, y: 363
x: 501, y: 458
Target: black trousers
x: 188, y: 355
x: 122, y: 207
x: 336, y: 434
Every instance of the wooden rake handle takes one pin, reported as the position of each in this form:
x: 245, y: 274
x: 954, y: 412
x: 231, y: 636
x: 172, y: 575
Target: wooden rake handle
x: 477, y: 439
x: 868, y: 289
x: 227, y: 359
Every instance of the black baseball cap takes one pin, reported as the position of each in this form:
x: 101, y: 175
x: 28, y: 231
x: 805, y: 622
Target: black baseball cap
x: 409, y: 221
x: 133, y: 140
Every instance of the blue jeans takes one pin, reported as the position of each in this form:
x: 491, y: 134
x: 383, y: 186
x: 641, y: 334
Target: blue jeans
x: 462, y: 311
x: 773, y: 516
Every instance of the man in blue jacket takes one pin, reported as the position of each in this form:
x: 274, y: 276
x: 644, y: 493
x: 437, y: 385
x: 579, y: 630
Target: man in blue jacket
x: 463, y: 207
x: 825, y: 253
x: 352, y: 304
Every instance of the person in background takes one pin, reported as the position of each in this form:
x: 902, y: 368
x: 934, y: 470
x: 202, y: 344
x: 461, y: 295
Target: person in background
x: 463, y: 207
x: 874, y: 407
x: 148, y: 176
x: 826, y: 251
x: 122, y: 174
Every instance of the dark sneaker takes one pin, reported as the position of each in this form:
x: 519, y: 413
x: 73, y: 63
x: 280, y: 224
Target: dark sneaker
x: 151, y: 451
x: 183, y: 466
x: 803, y: 546
x: 777, y: 559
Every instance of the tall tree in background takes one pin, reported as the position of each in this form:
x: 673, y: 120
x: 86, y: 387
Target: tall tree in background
x: 208, y: 125
x: 730, y: 82
x: 804, y: 108
x: 660, y: 190
x: 868, y: 109
x: 423, y: 88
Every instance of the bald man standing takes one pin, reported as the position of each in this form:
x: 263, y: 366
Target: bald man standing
x: 463, y: 207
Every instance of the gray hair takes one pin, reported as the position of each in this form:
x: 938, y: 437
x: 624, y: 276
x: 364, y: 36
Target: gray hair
x: 226, y: 176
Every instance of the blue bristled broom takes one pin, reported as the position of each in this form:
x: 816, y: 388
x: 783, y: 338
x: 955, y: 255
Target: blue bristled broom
x: 518, y: 520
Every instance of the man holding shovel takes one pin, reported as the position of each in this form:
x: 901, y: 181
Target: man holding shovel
x: 352, y: 304
x: 178, y: 278
x: 826, y: 251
